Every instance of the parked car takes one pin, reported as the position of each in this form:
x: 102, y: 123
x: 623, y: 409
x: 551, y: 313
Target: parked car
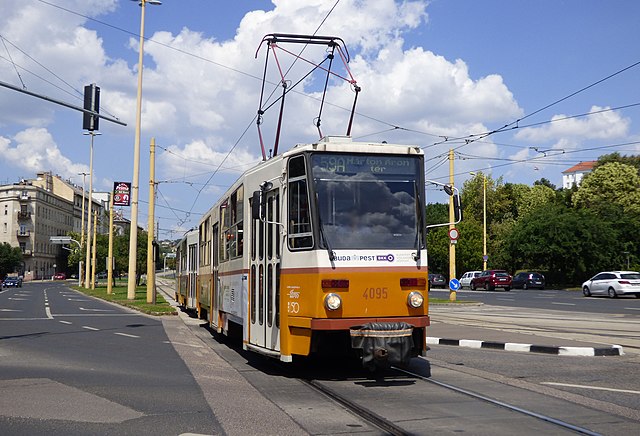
x: 613, y: 283
x: 102, y: 275
x: 491, y: 279
x: 12, y: 282
x: 465, y: 280
x: 528, y: 280
x: 437, y: 281
x: 60, y: 276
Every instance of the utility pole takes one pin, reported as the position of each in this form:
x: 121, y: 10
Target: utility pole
x: 452, y: 218
x: 151, y: 270
x: 87, y: 265
x: 110, y: 255
x: 80, y: 269
x: 93, y: 257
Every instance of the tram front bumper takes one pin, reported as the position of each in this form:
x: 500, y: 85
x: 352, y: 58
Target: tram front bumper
x: 383, y: 344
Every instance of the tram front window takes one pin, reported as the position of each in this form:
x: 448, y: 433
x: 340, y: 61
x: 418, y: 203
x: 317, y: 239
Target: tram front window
x: 367, y: 202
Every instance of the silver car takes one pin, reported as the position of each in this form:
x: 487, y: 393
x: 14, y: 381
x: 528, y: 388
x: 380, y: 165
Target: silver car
x: 465, y: 280
x: 613, y: 283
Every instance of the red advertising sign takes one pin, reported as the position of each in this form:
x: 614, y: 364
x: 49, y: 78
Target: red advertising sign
x: 121, y: 193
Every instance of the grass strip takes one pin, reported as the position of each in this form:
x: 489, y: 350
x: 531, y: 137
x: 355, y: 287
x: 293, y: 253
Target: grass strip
x: 119, y: 296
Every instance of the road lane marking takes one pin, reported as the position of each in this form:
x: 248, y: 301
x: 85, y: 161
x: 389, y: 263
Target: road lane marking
x: 596, y: 388
x: 563, y: 304
x: 47, y: 310
x: 127, y: 335
x: 89, y: 328
x: 17, y: 299
x: 75, y: 299
x: 96, y: 310
x: 10, y: 310
x: 632, y: 308
x: 66, y: 322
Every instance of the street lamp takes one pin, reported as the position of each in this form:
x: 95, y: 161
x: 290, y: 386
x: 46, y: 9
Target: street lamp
x: 91, y: 133
x: 133, y: 235
x: 484, y: 219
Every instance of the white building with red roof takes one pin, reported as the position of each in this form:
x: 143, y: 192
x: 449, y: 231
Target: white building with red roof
x: 575, y: 174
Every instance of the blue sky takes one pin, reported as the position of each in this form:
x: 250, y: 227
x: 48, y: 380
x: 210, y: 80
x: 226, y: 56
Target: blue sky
x: 438, y: 69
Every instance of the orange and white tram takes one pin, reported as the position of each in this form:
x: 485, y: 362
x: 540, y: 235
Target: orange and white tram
x: 320, y: 249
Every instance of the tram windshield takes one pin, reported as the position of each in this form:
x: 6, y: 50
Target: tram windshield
x: 367, y: 201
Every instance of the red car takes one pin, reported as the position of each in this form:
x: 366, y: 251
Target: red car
x: 60, y: 276
x: 491, y: 279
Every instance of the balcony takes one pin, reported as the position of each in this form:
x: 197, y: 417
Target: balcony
x: 24, y: 197
x: 24, y: 215
x: 26, y: 253
x: 23, y: 233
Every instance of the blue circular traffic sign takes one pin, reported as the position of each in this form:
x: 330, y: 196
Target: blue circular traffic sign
x: 454, y: 284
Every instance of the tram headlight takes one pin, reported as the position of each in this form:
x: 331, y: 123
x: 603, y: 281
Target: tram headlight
x: 415, y: 299
x: 332, y: 301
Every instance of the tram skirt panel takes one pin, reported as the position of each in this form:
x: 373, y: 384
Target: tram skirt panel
x: 383, y: 344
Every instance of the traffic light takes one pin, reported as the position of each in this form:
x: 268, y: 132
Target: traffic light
x: 92, y: 103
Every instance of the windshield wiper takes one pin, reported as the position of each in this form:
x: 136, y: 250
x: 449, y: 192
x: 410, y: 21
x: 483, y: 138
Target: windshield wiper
x: 419, y: 223
x: 322, y: 234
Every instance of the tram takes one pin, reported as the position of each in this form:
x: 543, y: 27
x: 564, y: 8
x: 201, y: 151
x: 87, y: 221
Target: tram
x: 187, y: 270
x: 318, y: 250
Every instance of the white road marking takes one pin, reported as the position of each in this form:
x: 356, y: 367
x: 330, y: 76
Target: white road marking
x: 65, y: 322
x: 76, y: 299
x: 96, y: 310
x: 505, y: 299
x: 127, y: 335
x: 632, y: 308
x: 17, y: 299
x: 596, y: 388
x: 10, y: 310
x: 563, y: 304
x: 47, y: 310
x: 89, y: 328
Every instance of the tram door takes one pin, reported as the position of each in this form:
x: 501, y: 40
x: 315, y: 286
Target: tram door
x: 215, y: 288
x: 265, y: 275
x: 192, y: 270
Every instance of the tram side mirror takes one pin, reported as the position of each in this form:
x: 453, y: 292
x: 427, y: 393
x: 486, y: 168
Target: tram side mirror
x: 457, y: 208
x: 255, y: 205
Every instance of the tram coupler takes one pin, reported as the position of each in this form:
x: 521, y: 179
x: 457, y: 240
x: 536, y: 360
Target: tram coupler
x: 383, y: 344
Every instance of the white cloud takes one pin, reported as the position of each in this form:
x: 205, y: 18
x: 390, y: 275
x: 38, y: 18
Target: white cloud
x: 603, y: 125
x: 35, y: 150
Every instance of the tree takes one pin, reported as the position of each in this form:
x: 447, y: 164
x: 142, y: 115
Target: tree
x: 634, y: 161
x: 10, y: 258
x: 610, y: 186
x: 545, y: 182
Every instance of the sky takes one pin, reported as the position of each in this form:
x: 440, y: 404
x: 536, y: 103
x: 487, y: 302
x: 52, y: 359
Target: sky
x: 556, y: 81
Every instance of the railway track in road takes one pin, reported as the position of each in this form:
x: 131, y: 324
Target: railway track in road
x: 390, y: 427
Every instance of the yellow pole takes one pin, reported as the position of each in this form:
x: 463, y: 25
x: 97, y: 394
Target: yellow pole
x: 87, y: 266
x: 484, y: 229
x: 110, y: 255
x: 93, y: 257
x: 452, y: 246
x: 151, y: 273
x: 133, y: 233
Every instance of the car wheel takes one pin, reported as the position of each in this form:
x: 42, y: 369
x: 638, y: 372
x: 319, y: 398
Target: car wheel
x: 586, y: 292
x: 472, y: 287
x: 507, y: 289
x: 491, y: 288
x: 524, y: 286
x: 612, y: 293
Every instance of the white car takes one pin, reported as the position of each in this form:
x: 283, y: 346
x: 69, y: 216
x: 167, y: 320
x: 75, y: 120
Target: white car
x: 465, y: 280
x: 613, y: 283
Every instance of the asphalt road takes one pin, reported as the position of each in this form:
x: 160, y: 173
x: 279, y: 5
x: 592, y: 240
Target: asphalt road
x: 572, y: 301
x: 71, y: 364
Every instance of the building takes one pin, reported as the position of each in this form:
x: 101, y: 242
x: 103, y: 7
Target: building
x: 574, y: 175
x: 31, y: 211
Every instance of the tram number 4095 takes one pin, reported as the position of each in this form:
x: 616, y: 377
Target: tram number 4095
x: 375, y: 293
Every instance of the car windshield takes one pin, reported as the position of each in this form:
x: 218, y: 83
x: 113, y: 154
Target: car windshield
x: 367, y: 201
x: 501, y: 274
x: 630, y: 276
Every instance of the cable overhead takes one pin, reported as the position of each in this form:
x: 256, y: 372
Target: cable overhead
x: 11, y: 60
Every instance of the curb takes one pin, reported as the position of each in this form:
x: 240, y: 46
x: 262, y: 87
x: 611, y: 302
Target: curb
x: 614, y: 350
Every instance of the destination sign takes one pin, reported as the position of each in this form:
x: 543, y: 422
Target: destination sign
x: 354, y: 164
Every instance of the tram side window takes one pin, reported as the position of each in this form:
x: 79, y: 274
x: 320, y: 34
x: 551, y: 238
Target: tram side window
x: 231, y: 212
x: 300, y: 235
x: 205, y: 243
